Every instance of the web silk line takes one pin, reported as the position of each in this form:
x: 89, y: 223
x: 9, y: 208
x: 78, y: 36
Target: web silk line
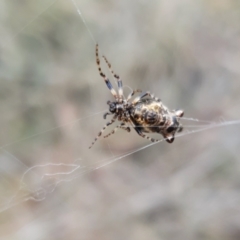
x: 84, y: 21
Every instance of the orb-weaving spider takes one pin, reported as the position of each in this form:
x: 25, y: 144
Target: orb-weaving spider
x: 145, y: 113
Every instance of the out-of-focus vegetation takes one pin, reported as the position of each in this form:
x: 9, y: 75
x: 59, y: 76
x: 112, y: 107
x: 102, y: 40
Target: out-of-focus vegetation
x: 52, y: 100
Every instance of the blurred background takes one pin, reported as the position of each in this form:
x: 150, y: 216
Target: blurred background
x: 52, y: 100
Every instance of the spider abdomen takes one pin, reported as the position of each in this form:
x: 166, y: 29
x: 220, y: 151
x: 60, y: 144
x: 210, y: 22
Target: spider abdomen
x: 148, y: 115
x: 152, y: 117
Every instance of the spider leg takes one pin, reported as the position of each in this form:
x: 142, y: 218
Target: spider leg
x: 132, y: 93
x: 139, y: 132
x: 144, y: 95
x: 116, y: 128
x: 103, y: 129
x: 105, y: 114
x: 108, y: 83
x: 119, y: 81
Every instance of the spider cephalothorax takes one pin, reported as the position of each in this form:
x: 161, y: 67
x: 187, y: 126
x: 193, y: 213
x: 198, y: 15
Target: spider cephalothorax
x: 145, y: 113
x: 115, y: 107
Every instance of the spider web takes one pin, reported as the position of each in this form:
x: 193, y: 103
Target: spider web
x: 52, y: 102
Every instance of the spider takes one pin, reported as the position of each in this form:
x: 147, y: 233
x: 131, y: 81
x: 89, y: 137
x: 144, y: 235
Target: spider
x: 145, y: 113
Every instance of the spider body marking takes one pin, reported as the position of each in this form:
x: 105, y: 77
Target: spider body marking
x: 145, y: 113
x: 150, y: 116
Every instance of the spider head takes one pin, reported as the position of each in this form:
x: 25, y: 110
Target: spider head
x: 112, y: 107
